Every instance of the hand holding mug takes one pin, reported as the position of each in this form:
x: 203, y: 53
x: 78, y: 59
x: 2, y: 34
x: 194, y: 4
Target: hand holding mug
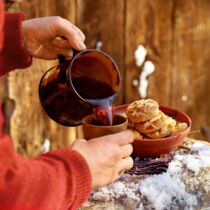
x: 108, y: 156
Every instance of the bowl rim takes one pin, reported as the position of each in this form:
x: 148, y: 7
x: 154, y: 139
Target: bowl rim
x: 189, y: 123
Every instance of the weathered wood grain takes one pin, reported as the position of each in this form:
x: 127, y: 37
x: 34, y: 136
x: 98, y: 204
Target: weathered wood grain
x: 104, y: 21
x: 148, y: 25
x: 175, y: 33
x: 190, y: 69
x: 30, y: 126
x: 27, y: 122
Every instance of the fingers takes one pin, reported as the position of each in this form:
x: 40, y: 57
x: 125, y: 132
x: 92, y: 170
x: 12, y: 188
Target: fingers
x: 68, y: 53
x: 60, y: 42
x: 74, y: 35
x: 62, y: 47
x: 123, y: 138
x: 126, y: 150
x: 126, y: 164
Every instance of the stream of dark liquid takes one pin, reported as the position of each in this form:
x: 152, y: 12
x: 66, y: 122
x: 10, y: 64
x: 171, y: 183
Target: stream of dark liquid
x: 99, y: 95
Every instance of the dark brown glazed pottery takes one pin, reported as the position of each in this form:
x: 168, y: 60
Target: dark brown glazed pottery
x: 92, y: 130
x: 157, y: 147
x: 70, y: 90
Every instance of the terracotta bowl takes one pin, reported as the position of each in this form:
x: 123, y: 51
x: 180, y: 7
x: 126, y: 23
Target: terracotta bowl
x: 92, y: 130
x: 157, y: 147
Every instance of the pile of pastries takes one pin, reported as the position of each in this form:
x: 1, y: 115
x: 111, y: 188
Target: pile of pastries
x: 146, y: 120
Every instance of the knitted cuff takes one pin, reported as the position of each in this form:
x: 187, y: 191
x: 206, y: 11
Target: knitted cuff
x: 80, y: 172
x: 14, y: 54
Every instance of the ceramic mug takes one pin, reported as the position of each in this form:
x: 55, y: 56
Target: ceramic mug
x: 91, y: 128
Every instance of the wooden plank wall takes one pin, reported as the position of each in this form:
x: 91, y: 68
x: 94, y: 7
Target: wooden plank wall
x: 176, y: 34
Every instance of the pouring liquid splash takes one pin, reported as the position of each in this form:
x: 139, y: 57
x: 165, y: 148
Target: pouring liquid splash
x: 99, y: 95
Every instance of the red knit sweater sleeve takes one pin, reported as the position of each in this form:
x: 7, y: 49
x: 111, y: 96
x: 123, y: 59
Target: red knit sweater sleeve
x: 13, y: 55
x: 56, y: 180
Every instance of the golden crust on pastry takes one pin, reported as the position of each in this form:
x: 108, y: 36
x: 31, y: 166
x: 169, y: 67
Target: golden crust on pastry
x: 142, y: 110
x: 167, y: 128
x: 124, y: 115
x: 180, y: 127
x: 151, y: 125
x: 145, y: 119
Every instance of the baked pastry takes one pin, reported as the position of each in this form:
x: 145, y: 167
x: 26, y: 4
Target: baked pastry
x: 180, y: 127
x: 142, y: 110
x: 167, y: 128
x: 146, y: 120
x: 151, y: 125
x: 124, y: 115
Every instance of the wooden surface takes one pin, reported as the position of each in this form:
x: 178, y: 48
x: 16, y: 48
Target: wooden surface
x: 195, y: 184
x: 30, y: 126
x: 175, y: 33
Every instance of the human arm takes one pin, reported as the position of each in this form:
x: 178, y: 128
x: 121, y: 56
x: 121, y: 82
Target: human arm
x: 52, y: 179
x: 40, y: 38
x: 56, y: 180
x: 61, y: 179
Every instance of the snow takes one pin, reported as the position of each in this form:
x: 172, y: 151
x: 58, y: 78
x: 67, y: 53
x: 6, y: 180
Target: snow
x: 46, y: 146
x: 148, y: 69
x: 168, y: 190
x: 135, y: 82
x: 140, y: 55
x: 98, y: 45
x: 163, y: 190
x: 116, y: 190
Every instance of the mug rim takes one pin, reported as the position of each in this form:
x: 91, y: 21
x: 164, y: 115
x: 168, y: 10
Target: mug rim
x: 102, y: 126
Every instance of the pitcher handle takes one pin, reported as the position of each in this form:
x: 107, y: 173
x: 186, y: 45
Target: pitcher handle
x: 61, y: 58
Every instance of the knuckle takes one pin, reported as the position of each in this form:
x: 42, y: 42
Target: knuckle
x: 117, y: 154
x: 114, y: 156
x: 58, y: 19
x: 130, y: 148
x: 130, y: 135
x: 130, y: 162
